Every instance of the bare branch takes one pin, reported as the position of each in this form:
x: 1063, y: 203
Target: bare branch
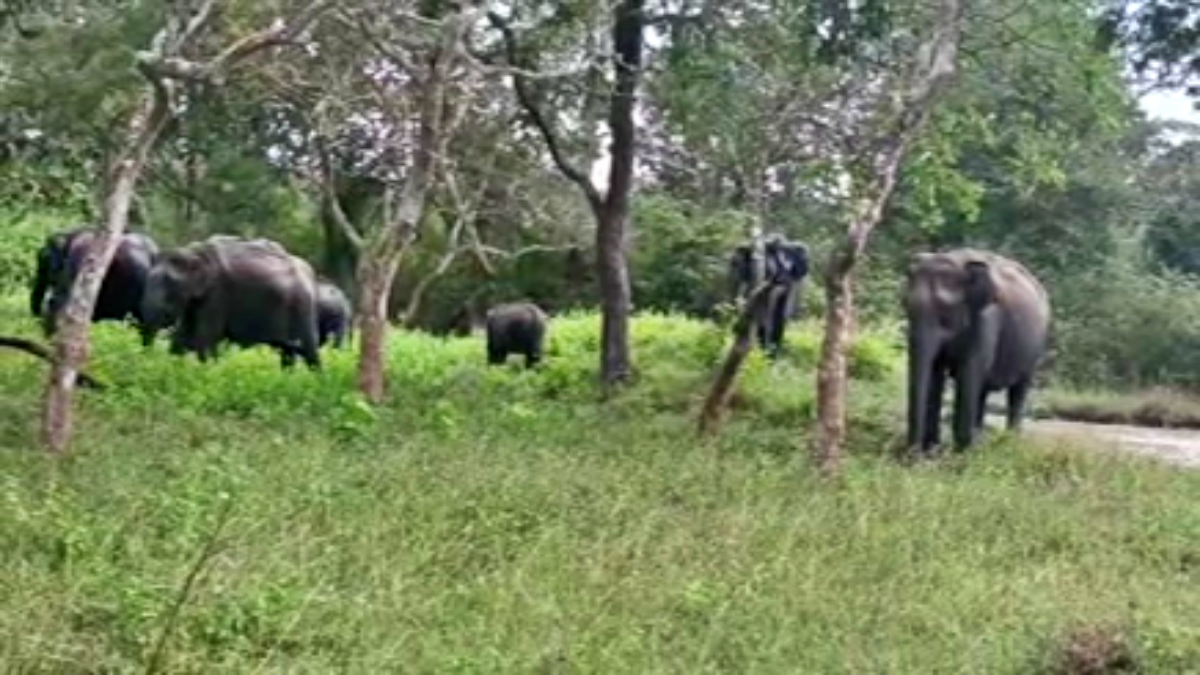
x: 280, y: 33
x: 525, y: 98
x: 329, y: 192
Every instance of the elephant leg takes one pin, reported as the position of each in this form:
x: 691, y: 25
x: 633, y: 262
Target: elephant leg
x: 981, y: 408
x: 495, y: 355
x: 287, y: 357
x: 779, y: 317
x: 309, y: 350
x: 967, y: 385
x: 1018, y: 394
x: 933, y: 408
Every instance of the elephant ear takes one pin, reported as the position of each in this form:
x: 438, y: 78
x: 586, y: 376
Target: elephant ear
x: 979, y: 289
x: 196, y: 272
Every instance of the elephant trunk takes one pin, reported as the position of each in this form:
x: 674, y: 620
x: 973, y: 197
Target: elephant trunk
x: 922, y: 350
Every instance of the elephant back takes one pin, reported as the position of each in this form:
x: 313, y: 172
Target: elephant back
x: 1014, y: 281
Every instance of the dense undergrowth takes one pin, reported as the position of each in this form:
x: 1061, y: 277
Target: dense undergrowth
x: 496, y: 520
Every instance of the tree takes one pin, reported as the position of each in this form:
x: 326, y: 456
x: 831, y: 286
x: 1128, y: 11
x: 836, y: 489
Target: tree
x: 163, y: 66
x: 610, y: 209
x: 912, y: 91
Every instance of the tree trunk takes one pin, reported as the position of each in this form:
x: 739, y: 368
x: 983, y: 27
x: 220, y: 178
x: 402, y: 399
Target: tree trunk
x: 71, y: 346
x: 375, y: 276
x: 612, y: 218
x: 753, y: 312
x: 832, y: 378
x: 613, y: 277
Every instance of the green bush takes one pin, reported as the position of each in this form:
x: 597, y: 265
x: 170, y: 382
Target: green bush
x: 23, y: 234
x: 1120, y: 327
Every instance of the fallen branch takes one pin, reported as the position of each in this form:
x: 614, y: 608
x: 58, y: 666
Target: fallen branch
x: 743, y: 329
x: 43, y: 352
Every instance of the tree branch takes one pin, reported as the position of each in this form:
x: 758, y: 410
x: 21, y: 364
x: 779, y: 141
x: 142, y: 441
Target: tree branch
x: 44, y: 353
x: 525, y: 98
x: 329, y: 192
x: 213, y: 70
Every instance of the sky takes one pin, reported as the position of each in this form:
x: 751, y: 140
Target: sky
x: 1174, y: 105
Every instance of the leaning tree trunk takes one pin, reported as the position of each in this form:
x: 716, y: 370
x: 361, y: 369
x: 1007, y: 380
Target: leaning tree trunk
x: 752, y: 314
x: 71, y: 342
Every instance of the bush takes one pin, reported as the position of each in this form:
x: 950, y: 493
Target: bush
x: 23, y: 236
x: 1119, y: 327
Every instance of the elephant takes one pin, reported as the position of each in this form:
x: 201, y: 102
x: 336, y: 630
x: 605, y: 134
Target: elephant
x: 784, y: 265
x: 980, y: 318
x: 515, y: 328
x: 246, y: 291
x: 58, y: 262
x: 333, y: 314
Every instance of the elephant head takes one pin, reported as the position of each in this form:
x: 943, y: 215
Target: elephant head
x: 178, y: 279
x: 51, y: 264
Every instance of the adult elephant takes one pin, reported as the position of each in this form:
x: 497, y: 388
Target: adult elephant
x: 249, y: 292
x: 333, y: 314
x: 980, y: 318
x: 59, y: 260
x: 782, y: 263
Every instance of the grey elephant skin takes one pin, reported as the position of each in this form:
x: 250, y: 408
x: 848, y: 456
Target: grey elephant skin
x: 785, y: 265
x: 58, y: 263
x: 333, y: 314
x: 515, y: 328
x: 980, y: 318
x: 246, y: 291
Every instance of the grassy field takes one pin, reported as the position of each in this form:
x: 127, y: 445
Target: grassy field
x: 234, y: 518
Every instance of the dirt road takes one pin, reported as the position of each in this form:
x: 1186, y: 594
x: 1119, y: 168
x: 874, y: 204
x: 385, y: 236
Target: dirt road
x: 1176, y: 446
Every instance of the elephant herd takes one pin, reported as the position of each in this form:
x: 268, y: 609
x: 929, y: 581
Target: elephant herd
x: 231, y: 289
x: 973, y: 315
x: 224, y: 288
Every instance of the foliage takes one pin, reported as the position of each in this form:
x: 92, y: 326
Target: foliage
x: 492, y: 519
x: 24, y: 234
x: 1162, y: 38
x: 1129, y: 328
x: 680, y: 255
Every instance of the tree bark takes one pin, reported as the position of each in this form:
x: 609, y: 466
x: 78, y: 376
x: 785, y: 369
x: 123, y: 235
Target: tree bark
x: 375, y: 278
x: 832, y: 380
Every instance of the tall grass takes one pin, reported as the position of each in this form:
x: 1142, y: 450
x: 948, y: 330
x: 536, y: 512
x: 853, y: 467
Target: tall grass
x: 497, y: 520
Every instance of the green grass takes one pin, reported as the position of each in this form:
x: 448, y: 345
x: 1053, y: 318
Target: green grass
x: 494, y: 520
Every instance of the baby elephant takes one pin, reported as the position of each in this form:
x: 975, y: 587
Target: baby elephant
x: 515, y: 328
x: 333, y: 314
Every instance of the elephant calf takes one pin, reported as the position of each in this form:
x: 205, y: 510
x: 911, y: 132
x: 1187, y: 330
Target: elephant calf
x: 333, y: 314
x: 515, y: 328
x: 980, y: 318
